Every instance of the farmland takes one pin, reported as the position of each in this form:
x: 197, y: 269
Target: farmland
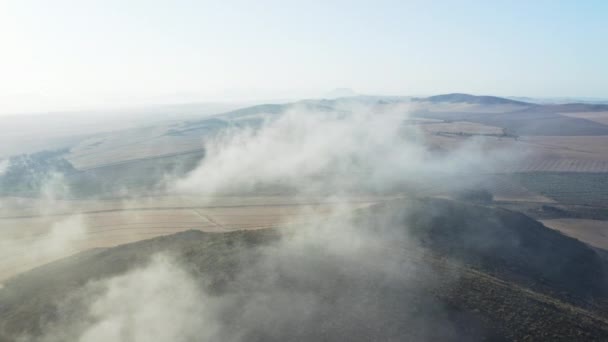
x: 593, y: 232
x: 568, y: 188
x: 587, y: 154
x: 599, y: 117
x: 31, y: 238
x: 136, y: 144
x: 462, y: 127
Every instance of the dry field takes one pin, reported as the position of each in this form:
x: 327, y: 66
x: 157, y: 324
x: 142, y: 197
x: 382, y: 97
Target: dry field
x: 537, y: 153
x: 30, y: 237
x: 112, y: 150
x: 463, y: 127
x: 565, y: 153
x: 593, y: 232
x: 505, y: 189
x: 23, y: 207
x: 575, y: 147
x: 33, y: 241
x: 599, y: 117
x: 547, y: 164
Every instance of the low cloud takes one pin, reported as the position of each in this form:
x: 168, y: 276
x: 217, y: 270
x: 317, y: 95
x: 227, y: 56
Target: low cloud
x: 361, y: 149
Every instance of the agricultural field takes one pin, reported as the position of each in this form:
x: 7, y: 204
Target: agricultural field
x: 567, y: 188
x: 32, y: 234
x: 504, y: 188
x: 593, y: 232
x: 551, y: 165
x: 33, y: 241
x: 591, y: 148
x: 124, y: 146
x: 531, y: 153
x: 462, y: 127
x: 599, y: 117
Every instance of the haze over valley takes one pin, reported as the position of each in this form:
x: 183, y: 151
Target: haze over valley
x: 329, y: 171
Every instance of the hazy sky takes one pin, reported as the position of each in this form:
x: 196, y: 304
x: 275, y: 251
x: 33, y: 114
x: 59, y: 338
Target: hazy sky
x: 67, y: 54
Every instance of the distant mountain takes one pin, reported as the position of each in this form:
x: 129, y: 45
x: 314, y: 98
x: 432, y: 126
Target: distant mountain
x: 576, y: 107
x: 473, y: 99
x: 573, y: 104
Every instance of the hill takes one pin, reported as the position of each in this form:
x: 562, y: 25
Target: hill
x: 516, y: 117
x: 467, y: 98
x: 425, y: 270
x: 558, y: 137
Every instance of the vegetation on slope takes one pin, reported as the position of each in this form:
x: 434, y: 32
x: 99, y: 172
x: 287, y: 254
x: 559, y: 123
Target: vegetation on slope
x: 426, y: 270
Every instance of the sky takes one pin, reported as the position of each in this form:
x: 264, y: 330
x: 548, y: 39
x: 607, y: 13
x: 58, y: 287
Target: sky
x: 61, y: 54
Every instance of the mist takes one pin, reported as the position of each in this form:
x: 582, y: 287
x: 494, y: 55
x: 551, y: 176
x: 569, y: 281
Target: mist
x: 286, y: 290
x: 181, y: 171
x: 356, y: 149
x: 319, y: 278
x: 22, y: 252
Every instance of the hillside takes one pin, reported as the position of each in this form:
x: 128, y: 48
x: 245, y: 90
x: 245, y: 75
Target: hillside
x: 467, y: 98
x: 426, y: 270
x: 519, y: 118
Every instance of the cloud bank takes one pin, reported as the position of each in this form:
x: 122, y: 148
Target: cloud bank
x: 363, y: 149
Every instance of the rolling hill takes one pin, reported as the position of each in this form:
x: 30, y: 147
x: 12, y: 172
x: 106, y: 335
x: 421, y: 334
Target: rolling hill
x: 467, y: 98
x: 428, y: 270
